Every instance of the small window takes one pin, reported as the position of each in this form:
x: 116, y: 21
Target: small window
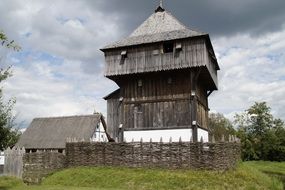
x: 60, y: 151
x: 168, y: 47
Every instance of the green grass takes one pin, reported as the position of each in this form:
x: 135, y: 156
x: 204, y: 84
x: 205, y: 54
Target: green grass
x: 270, y: 167
x: 245, y: 177
x: 274, y: 169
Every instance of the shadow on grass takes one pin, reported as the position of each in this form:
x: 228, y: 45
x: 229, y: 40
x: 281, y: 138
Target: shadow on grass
x: 4, y: 188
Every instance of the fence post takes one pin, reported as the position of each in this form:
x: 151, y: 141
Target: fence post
x: 14, y: 162
x: 213, y: 139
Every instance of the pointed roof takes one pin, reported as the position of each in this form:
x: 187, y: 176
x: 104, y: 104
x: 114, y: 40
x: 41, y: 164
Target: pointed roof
x: 160, y: 26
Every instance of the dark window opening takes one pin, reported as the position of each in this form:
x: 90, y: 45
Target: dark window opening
x: 122, y: 61
x: 168, y: 47
x: 34, y: 150
x: 60, y: 151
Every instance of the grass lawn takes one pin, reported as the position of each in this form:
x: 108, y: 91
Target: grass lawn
x: 268, y: 167
x: 247, y: 176
x: 275, y: 169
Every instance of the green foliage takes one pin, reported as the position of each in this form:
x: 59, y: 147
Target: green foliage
x: 262, y: 136
x: 8, y: 135
x: 220, y: 126
x: 102, y: 178
x: 8, y: 43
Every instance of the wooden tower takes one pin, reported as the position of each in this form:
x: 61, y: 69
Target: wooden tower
x: 165, y: 72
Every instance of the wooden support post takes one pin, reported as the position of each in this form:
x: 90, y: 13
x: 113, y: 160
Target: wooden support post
x: 121, y: 135
x: 194, y: 120
x: 194, y: 102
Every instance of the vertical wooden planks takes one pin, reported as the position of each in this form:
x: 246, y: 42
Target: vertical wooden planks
x: 14, y: 162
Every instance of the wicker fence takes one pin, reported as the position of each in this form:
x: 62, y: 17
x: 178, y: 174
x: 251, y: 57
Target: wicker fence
x: 39, y: 164
x: 14, y: 162
x: 183, y: 155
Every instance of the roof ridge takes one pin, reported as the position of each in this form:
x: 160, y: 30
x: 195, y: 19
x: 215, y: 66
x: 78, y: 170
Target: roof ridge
x: 71, y: 116
x: 159, y: 26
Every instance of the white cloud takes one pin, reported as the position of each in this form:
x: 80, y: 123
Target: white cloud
x: 252, y: 69
x: 40, y: 93
x: 60, y: 70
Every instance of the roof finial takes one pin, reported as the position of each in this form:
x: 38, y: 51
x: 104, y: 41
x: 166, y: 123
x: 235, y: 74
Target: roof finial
x: 160, y: 7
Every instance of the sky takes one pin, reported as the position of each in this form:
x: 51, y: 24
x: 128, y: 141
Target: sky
x: 60, y: 69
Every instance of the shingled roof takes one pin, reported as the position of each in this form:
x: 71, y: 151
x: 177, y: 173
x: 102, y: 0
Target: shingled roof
x: 160, y: 26
x: 51, y: 133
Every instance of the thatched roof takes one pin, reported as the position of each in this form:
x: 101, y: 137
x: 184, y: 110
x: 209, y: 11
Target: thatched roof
x: 160, y: 26
x: 51, y: 133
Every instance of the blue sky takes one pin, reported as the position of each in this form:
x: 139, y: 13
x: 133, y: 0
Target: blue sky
x: 60, y: 68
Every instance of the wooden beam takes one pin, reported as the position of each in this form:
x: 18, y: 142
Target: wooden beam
x: 210, y: 92
x: 155, y: 100
x: 105, y: 128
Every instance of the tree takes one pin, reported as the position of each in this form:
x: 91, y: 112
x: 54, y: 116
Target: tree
x: 8, y: 135
x: 220, y: 126
x: 262, y: 136
x: 8, y: 43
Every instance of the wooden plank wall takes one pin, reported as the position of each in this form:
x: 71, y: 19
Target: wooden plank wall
x: 14, y: 162
x: 162, y: 101
x: 113, y: 111
x: 141, y: 59
x: 211, y: 68
x: 166, y: 114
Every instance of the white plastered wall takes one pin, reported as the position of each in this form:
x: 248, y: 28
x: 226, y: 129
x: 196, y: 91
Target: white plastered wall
x: 156, y: 135
x: 165, y: 135
x: 203, y: 134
